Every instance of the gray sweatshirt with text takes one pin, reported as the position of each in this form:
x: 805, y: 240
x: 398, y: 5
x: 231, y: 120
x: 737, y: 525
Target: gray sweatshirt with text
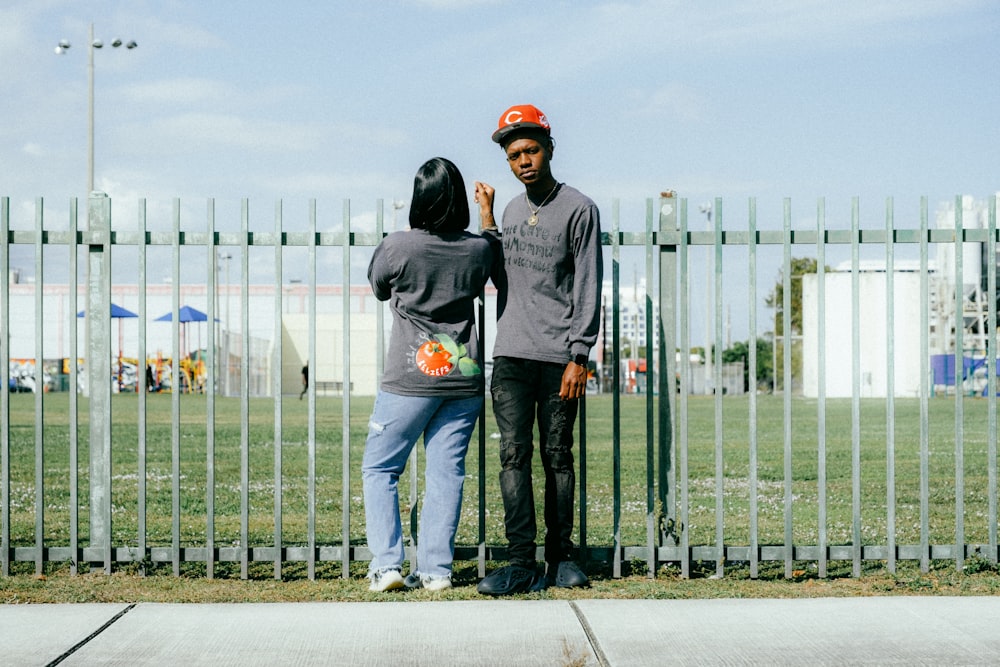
x: 549, y: 301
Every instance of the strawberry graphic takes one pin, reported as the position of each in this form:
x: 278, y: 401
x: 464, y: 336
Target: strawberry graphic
x: 439, y: 356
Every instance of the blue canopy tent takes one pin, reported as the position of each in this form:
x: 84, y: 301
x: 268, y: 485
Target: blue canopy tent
x: 186, y: 314
x: 116, y: 312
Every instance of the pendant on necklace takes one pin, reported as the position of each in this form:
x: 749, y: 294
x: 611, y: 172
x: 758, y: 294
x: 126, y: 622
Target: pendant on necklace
x: 533, y: 220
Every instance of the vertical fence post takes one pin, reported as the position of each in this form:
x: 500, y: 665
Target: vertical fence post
x: 821, y: 474
x: 856, y: 548
x: 74, y: 415
x: 312, y: 358
x: 39, y: 391
x: 345, y: 538
x: 142, y: 390
x: 176, y: 388
x: 98, y: 327
x: 925, y: 550
x: 991, y: 376
x: 786, y: 385
x: 752, y: 388
x: 667, y: 331
x: 616, y: 436
x: 890, y: 392
x: 682, y: 526
x: 244, y: 387
x: 959, y: 319
x: 212, y: 299
x: 647, y: 309
x: 276, y: 379
x: 5, y: 391
x: 717, y: 296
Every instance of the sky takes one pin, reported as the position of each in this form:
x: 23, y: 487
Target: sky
x: 336, y: 101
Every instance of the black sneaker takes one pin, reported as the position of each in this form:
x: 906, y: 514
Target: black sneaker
x: 569, y: 575
x: 510, y: 580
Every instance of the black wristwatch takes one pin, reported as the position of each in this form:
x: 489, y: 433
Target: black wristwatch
x: 580, y: 360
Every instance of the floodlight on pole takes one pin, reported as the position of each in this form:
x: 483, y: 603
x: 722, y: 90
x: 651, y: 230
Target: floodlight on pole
x: 92, y: 44
x: 397, y: 205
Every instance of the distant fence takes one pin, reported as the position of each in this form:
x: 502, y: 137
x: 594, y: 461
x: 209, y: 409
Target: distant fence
x: 710, y: 497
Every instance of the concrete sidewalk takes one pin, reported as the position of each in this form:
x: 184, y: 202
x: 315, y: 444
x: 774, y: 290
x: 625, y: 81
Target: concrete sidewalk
x: 823, y: 631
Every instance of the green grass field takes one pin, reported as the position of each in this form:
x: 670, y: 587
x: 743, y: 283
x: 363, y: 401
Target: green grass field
x: 700, y: 456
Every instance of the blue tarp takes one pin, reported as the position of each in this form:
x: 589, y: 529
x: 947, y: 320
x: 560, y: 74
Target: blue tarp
x: 943, y: 368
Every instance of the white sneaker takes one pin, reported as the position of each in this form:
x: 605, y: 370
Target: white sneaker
x: 386, y: 580
x: 437, y: 583
x: 414, y: 580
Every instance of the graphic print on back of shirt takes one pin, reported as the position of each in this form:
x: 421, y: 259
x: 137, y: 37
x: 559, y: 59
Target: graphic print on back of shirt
x: 439, y: 355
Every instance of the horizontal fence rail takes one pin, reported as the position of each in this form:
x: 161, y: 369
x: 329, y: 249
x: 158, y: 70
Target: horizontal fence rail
x: 232, y: 468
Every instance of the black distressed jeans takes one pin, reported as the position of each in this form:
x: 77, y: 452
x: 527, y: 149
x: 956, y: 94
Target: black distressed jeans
x: 523, y: 389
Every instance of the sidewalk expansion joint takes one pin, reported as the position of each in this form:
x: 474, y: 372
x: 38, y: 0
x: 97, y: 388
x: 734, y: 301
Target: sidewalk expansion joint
x: 93, y: 634
x: 602, y: 659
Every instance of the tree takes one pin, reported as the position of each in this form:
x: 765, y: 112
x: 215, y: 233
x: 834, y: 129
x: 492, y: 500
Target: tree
x: 799, y: 266
x: 776, y: 299
x: 740, y: 352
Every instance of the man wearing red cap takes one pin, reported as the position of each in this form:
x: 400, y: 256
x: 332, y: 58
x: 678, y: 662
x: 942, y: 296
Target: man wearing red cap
x: 548, y: 313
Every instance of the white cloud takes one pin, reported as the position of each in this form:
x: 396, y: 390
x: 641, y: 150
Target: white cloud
x: 205, y: 129
x: 617, y: 32
x: 673, y: 101
x: 454, y: 4
x: 173, y: 35
x: 181, y: 92
x: 311, y: 182
x: 818, y: 23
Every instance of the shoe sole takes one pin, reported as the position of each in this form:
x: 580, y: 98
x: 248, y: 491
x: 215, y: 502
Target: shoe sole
x: 433, y: 585
x: 529, y: 587
x: 393, y: 585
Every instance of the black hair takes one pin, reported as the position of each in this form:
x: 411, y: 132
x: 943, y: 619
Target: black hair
x: 439, y: 201
x: 536, y: 133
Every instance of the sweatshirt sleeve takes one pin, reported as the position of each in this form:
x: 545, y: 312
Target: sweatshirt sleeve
x: 378, y: 272
x: 589, y: 264
x: 497, y: 273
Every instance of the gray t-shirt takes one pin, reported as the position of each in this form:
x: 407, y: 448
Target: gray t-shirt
x: 431, y: 282
x: 548, y: 307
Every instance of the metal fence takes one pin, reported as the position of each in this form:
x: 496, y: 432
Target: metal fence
x: 753, y: 479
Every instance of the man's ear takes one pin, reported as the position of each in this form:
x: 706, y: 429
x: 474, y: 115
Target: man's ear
x: 552, y: 147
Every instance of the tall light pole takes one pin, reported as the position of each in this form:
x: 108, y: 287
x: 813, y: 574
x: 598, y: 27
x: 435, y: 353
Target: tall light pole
x: 91, y: 45
x: 397, y: 205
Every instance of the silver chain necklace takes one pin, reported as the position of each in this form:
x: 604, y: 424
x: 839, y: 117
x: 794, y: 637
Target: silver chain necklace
x: 533, y: 220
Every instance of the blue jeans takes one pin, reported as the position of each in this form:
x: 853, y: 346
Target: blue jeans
x: 521, y: 390
x: 397, y: 422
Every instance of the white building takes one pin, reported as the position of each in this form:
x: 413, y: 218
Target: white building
x: 873, y: 319
x: 873, y: 322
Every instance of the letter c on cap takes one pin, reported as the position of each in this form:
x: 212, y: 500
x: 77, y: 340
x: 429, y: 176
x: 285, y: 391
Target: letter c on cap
x: 513, y: 116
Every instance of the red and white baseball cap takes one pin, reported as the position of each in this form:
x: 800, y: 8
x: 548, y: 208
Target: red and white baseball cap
x: 520, y: 117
